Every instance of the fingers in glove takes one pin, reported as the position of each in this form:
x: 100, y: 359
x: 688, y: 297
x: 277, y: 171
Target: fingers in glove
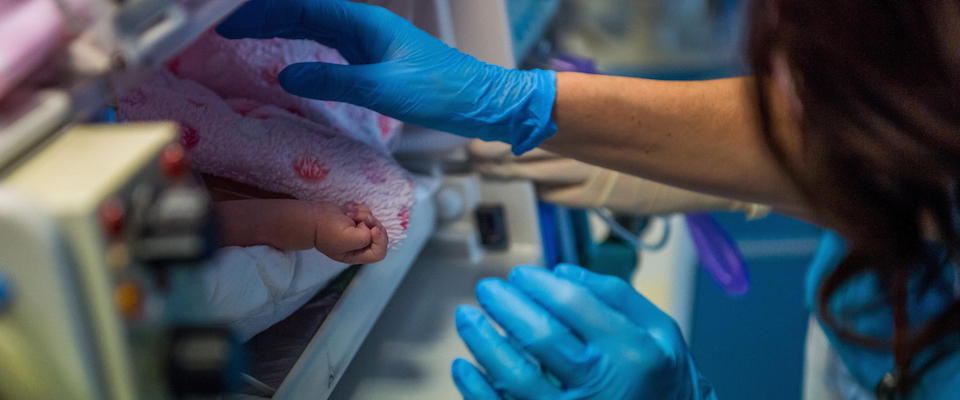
x: 571, y: 303
x: 471, y: 383
x: 509, y: 371
x: 538, y: 332
x: 329, y: 82
x: 616, y: 293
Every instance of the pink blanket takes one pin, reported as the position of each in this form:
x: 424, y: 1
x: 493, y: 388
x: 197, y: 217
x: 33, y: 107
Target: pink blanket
x: 239, y: 124
x: 249, y: 69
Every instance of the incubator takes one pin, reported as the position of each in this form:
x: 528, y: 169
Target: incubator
x: 109, y: 252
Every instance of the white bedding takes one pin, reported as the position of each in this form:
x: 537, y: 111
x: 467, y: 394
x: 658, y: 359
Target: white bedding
x: 253, y: 288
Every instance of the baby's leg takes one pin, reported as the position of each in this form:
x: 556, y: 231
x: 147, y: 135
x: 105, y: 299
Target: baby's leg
x: 350, y: 235
x: 276, y: 151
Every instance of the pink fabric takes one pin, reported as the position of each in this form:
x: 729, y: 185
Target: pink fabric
x: 249, y: 69
x: 269, y: 147
x: 29, y: 32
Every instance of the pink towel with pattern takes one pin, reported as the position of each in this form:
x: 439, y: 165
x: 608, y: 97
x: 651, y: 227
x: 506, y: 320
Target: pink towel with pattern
x: 237, y: 123
x: 249, y: 69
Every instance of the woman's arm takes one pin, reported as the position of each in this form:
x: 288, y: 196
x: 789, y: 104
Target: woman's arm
x: 699, y: 135
x: 696, y: 135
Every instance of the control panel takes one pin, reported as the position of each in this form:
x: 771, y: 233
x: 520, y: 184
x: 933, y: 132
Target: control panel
x: 102, y: 234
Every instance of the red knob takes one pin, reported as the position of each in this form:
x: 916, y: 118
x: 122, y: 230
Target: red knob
x: 174, y: 162
x: 112, y: 214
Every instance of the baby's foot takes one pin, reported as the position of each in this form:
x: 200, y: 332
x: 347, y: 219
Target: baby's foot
x: 350, y: 234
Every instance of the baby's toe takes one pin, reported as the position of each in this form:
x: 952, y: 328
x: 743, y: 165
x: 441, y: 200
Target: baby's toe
x: 379, y: 237
x: 370, y: 221
x: 375, y: 251
x: 361, y: 214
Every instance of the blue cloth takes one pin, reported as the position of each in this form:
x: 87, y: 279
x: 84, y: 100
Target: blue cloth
x: 856, y: 303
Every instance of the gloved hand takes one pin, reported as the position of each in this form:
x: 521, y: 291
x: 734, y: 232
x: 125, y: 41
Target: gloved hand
x: 593, y: 336
x: 403, y: 72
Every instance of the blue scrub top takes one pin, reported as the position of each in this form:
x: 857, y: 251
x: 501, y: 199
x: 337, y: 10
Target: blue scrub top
x: 856, y: 303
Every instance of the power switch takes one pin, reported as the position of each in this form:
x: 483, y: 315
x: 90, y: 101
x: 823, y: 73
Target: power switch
x: 492, y: 226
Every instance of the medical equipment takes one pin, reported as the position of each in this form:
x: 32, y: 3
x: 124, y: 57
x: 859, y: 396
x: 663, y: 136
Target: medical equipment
x: 99, y: 230
x: 718, y: 252
x: 621, y: 232
x: 665, y: 39
x: 102, y: 226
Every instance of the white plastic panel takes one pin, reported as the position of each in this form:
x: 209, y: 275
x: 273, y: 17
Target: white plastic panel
x: 332, y: 349
x: 43, y: 335
x: 483, y: 30
x: 667, y: 276
x: 408, y: 355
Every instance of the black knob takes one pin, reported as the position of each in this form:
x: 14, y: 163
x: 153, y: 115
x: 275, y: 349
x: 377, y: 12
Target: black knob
x: 492, y: 226
x: 178, y: 227
x: 204, y: 361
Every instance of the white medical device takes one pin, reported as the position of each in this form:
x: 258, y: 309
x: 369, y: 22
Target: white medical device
x: 102, y: 226
x: 99, y: 231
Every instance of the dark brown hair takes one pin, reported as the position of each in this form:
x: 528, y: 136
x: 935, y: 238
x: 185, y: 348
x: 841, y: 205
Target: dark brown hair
x: 878, y: 84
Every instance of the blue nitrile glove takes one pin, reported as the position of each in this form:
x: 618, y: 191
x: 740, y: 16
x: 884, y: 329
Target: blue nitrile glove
x: 593, y: 336
x: 403, y: 72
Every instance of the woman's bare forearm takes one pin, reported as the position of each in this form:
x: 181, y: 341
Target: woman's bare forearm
x: 698, y: 135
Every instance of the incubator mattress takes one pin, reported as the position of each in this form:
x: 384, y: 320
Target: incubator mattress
x: 274, y: 352
x: 252, y: 288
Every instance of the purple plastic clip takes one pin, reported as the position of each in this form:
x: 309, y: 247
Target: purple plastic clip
x: 719, y: 254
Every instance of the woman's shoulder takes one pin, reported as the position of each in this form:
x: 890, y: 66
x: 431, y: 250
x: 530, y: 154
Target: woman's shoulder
x: 942, y: 380
x: 830, y: 252
x: 860, y: 304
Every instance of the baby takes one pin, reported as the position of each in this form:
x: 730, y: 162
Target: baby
x: 254, y: 217
x: 348, y: 234
x: 321, y: 171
